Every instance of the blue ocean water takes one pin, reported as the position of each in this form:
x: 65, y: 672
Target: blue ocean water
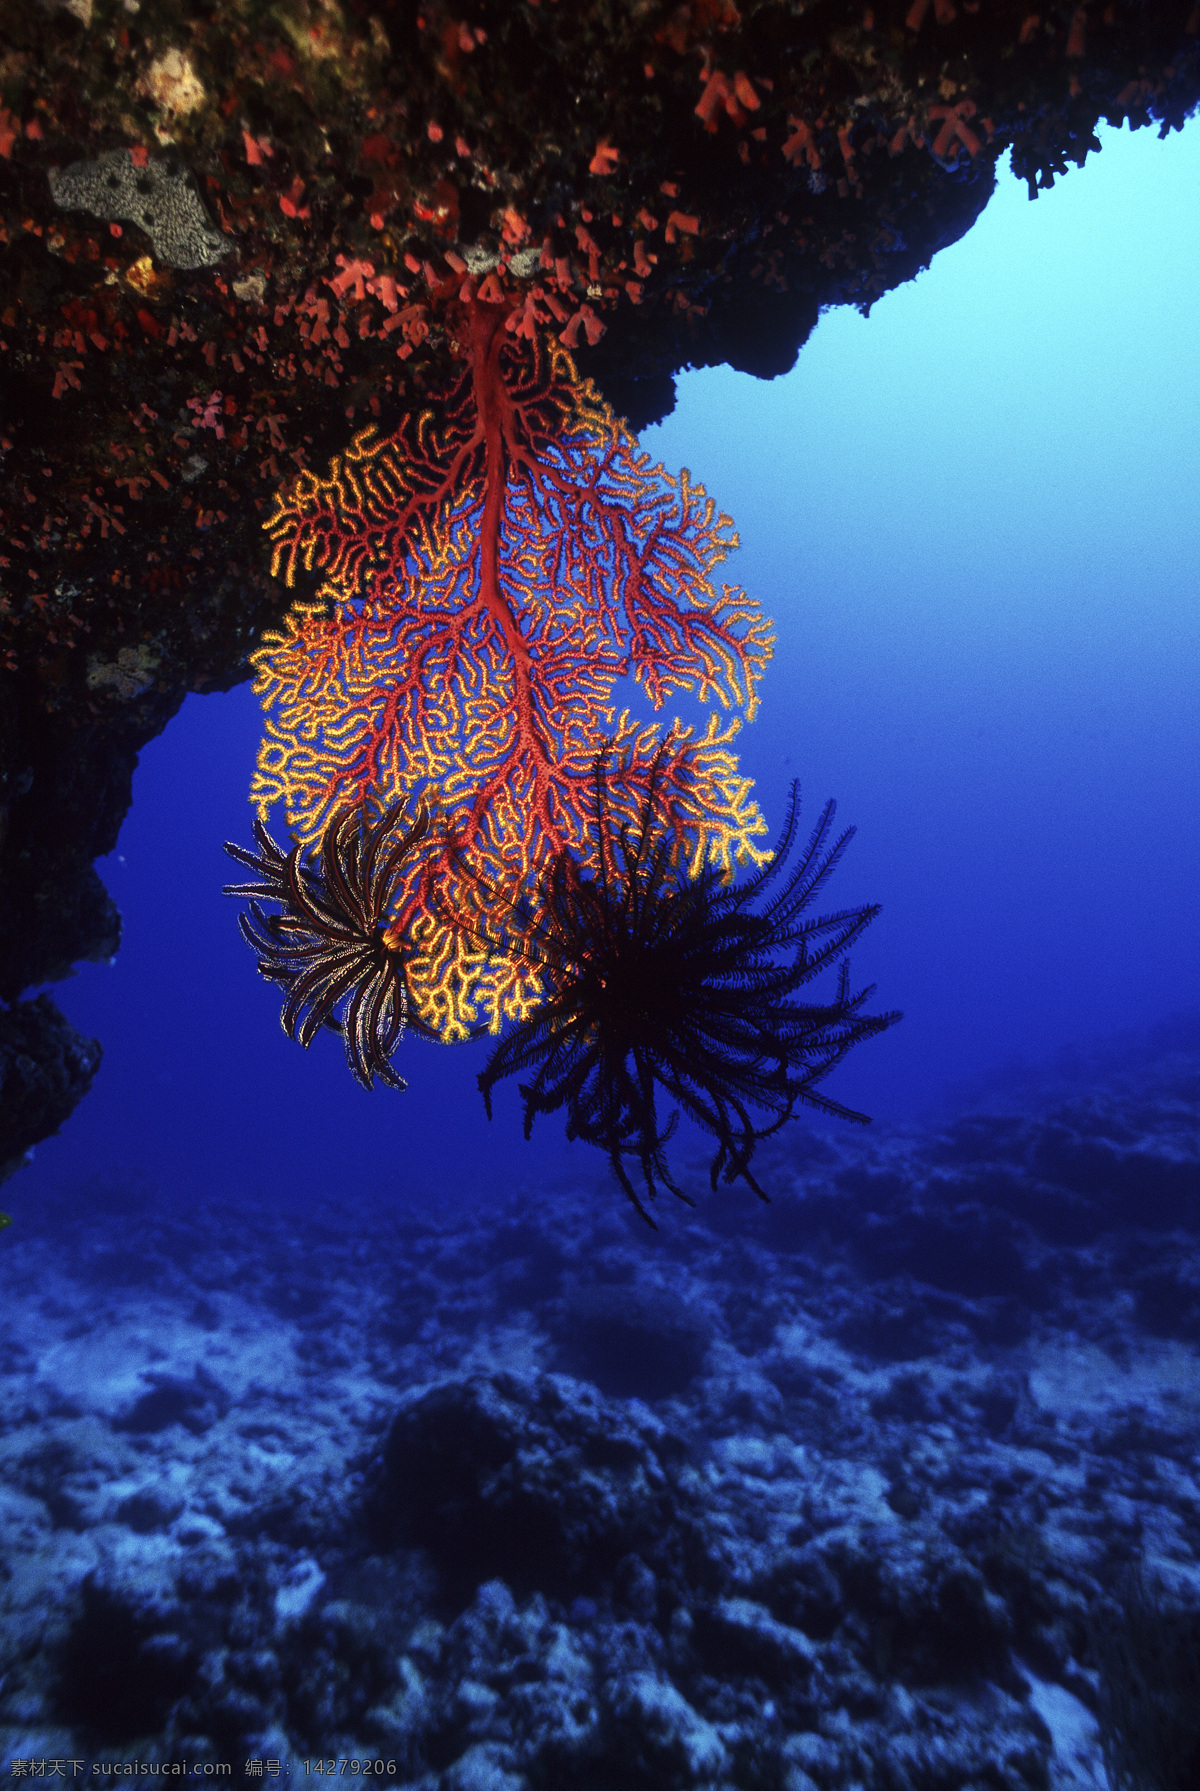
x: 347, y: 1434
x: 972, y: 516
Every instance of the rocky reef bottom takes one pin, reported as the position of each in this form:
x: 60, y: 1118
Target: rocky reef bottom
x: 836, y: 1492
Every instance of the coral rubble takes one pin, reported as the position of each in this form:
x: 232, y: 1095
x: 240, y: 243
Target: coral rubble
x: 844, y: 1489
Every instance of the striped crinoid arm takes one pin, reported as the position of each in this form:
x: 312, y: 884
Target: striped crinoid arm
x: 331, y: 946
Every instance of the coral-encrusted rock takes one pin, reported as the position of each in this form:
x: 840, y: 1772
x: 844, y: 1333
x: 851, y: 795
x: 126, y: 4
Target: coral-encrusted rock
x: 161, y: 200
x: 46, y: 1068
x: 534, y: 1480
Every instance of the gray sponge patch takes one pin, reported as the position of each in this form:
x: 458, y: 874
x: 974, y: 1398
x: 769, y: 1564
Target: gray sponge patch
x: 160, y: 200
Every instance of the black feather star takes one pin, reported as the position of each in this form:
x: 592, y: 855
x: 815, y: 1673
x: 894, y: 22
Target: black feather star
x: 331, y: 948
x: 660, y: 981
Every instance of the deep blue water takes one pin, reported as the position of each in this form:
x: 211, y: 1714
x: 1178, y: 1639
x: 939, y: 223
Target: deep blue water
x: 973, y: 517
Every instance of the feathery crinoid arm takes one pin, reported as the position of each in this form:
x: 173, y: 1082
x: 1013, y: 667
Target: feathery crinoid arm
x: 331, y: 947
x: 665, y: 983
x: 270, y: 863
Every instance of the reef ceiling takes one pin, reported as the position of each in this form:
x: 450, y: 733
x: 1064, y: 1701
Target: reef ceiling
x: 226, y: 232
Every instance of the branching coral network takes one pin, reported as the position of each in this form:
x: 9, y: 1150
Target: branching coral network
x: 489, y: 577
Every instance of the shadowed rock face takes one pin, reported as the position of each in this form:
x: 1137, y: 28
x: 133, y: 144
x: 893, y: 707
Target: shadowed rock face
x: 122, y: 1664
x: 225, y: 231
x: 536, y: 1480
x: 46, y: 1068
x: 634, y: 1343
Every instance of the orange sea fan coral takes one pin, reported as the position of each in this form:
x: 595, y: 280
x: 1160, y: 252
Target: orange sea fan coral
x: 489, y: 579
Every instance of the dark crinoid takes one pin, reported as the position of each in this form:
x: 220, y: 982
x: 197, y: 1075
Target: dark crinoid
x: 331, y: 948
x: 657, y: 981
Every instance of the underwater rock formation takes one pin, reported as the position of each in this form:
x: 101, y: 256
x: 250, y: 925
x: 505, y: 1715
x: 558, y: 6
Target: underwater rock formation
x: 383, y: 1483
x: 537, y: 1481
x: 46, y: 1067
x: 686, y: 183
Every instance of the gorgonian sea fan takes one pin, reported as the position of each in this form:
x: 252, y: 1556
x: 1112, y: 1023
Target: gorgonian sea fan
x: 488, y: 580
x: 659, y: 983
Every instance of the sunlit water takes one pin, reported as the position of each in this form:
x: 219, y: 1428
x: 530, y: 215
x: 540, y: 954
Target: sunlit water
x: 972, y: 516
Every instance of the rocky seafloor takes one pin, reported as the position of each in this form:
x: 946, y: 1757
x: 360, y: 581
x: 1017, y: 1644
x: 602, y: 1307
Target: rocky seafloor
x: 827, y: 1493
